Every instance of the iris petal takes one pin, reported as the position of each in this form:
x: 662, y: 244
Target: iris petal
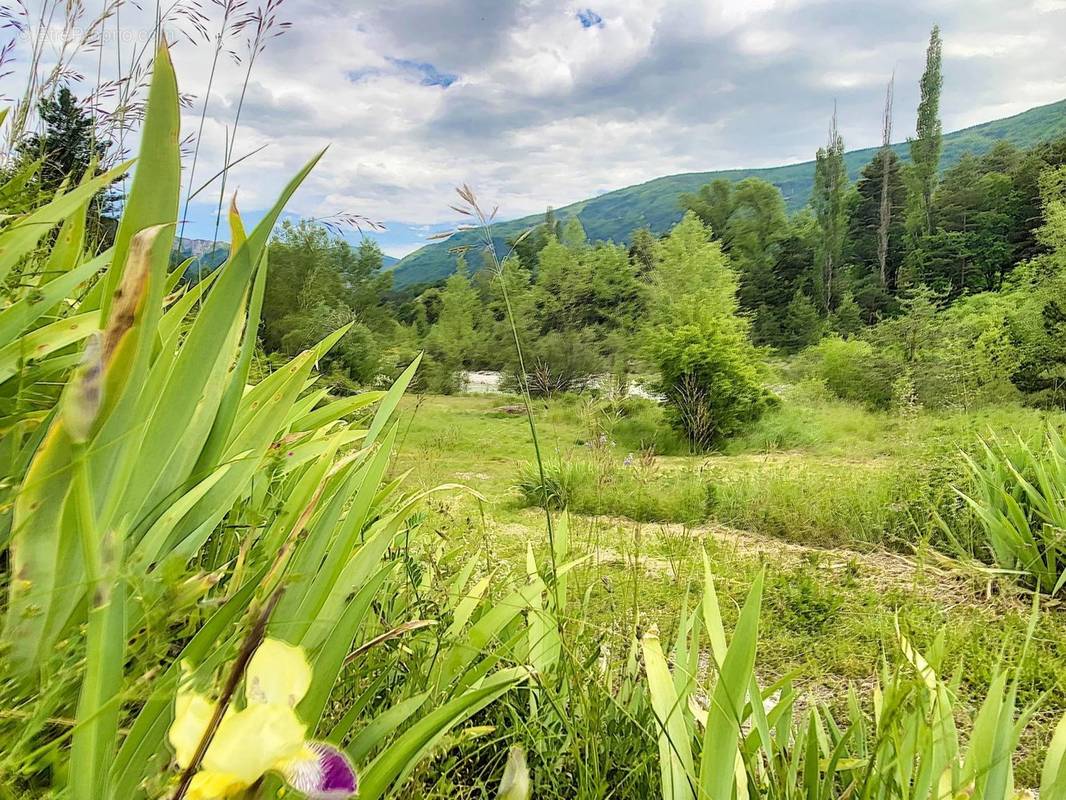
x: 214, y: 786
x: 192, y: 714
x: 322, y: 772
x: 252, y: 741
x: 277, y: 674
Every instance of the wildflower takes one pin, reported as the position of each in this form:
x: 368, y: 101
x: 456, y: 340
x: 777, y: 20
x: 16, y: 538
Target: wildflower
x: 628, y: 461
x: 265, y: 736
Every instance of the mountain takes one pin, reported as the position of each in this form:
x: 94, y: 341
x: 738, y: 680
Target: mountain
x: 615, y: 215
x: 197, y: 247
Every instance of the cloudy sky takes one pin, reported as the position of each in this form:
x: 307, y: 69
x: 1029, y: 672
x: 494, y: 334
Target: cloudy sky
x: 538, y: 102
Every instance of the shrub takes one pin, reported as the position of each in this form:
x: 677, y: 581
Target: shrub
x: 558, y: 486
x: 853, y: 370
x: 559, y: 362
x: 711, y: 380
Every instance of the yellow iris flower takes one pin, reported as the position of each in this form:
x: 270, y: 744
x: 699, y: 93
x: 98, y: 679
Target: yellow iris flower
x: 264, y: 736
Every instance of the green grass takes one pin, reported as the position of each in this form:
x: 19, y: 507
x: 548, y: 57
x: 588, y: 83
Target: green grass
x: 812, y: 475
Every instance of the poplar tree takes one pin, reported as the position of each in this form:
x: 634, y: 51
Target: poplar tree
x: 830, y: 211
x: 927, y: 144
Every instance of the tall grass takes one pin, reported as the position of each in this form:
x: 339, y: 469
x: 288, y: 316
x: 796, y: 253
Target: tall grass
x: 1019, y: 499
x: 749, y: 741
x: 161, y: 506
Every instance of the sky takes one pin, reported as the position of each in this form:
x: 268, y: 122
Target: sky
x: 540, y: 102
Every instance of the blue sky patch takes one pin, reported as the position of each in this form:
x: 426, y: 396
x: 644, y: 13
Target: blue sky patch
x: 428, y: 74
x: 589, y: 19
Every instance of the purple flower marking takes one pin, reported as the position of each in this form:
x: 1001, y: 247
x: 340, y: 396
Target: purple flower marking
x: 328, y: 775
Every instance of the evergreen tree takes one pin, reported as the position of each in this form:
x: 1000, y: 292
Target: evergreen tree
x: 927, y: 144
x: 830, y: 209
x: 755, y: 231
x: 847, y: 317
x: 693, y: 280
x: 67, y: 148
x: 709, y: 370
x: 801, y: 326
x: 642, y: 252
x: 451, y: 342
x: 573, y: 234
x: 527, y: 244
x: 876, y: 252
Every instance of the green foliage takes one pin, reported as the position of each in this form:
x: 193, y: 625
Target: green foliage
x: 560, y: 361
x: 575, y: 316
x: 846, y: 319
x: 450, y: 343
x: 67, y: 150
x: 757, y: 743
x: 557, y: 489
x: 853, y: 370
x: 873, y: 294
x: 802, y: 601
x: 318, y: 283
x: 1019, y: 497
x: 710, y: 376
x: 709, y: 371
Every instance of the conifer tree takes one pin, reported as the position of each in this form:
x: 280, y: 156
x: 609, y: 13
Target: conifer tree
x: 573, y: 234
x: 801, y: 325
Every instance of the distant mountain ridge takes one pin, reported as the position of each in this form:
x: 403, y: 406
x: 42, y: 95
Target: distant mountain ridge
x: 197, y: 247
x: 208, y: 256
x: 613, y: 216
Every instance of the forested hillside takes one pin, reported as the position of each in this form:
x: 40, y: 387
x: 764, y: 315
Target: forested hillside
x: 615, y: 215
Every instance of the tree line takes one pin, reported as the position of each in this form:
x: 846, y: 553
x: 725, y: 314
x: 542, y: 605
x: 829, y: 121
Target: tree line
x: 910, y: 285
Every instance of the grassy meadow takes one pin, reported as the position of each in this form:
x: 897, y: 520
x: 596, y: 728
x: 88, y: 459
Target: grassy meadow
x: 835, y: 502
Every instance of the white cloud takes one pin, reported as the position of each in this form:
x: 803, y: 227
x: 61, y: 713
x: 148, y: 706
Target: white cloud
x: 534, y: 107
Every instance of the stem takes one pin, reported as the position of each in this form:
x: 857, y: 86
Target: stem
x: 233, y: 139
x: 527, y: 400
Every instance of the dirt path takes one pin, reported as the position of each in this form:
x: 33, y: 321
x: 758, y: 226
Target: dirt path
x: 928, y: 574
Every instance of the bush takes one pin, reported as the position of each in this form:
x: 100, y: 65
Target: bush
x: 710, y: 377
x: 853, y: 370
x: 1019, y: 498
x: 558, y: 486
x: 559, y: 362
